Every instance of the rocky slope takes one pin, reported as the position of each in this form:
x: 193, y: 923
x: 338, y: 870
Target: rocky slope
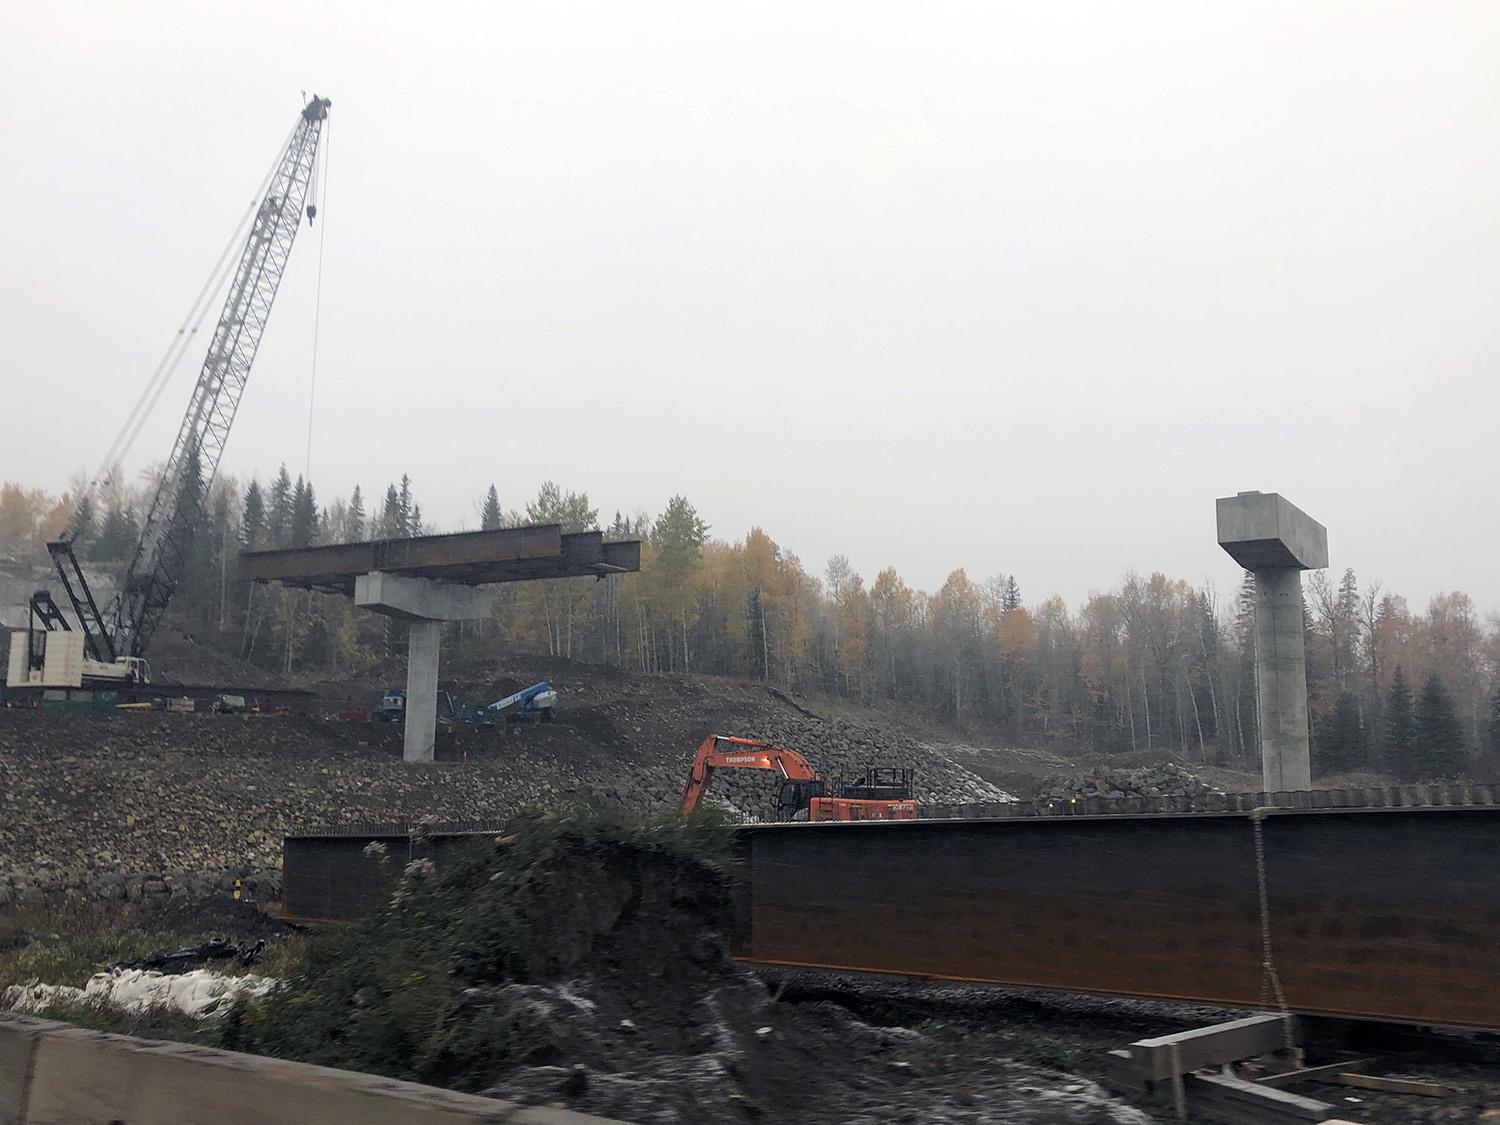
x: 165, y: 794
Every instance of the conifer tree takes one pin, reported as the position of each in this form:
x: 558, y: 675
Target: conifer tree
x: 1440, y: 750
x: 117, y: 534
x: 1011, y: 599
x: 1492, y: 732
x: 81, y: 527
x: 279, y: 511
x: 490, y: 518
x: 1400, y: 728
x: 390, y: 522
x: 1341, y: 738
x: 253, y: 521
x: 356, y: 515
x: 404, y: 507
x: 304, y: 525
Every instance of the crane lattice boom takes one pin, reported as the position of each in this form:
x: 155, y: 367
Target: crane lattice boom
x: 167, y: 532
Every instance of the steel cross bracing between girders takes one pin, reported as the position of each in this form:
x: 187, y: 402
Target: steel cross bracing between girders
x: 167, y: 533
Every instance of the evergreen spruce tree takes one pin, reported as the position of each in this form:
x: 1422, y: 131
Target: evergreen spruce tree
x: 404, y: 507
x: 490, y: 518
x: 279, y: 511
x: 190, y: 499
x: 1011, y: 599
x: 414, y: 524
x: 356, y: 515
x: 1400, y: 734
x: 299, y: 502
x: 1440, y: 749
x: 756, y: 640
x: 131, y: 534
x: 253, y: 521
x: 1342, y: 746
x: 304, y: 527
x: 390, y: 515
x: 116, y: 536
x: 1492, y: 733
x: 81, y: 527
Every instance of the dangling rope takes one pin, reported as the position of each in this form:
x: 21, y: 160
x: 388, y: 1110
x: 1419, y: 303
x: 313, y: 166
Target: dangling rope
x: 1270, y: 980
x: 312, y: 389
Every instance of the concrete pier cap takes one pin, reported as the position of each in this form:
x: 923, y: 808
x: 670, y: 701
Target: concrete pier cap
x: 1261, y: 530
x: 419, y: 599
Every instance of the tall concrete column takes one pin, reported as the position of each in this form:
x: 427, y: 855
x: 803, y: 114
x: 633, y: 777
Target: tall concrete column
x: 421, y: 690
x: 1276, y: 541
x: 1281, y: 680
x: 426, y: 604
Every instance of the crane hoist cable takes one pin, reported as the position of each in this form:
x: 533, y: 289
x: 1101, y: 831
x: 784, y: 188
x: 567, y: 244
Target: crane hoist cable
x: 313, y: 209
x: 205, y: 301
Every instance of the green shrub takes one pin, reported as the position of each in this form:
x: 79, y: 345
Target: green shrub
x: 1045, y: 1051
x: 410, y: 991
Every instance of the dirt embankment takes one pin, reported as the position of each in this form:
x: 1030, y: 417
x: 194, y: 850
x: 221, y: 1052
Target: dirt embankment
x: 585, y: 964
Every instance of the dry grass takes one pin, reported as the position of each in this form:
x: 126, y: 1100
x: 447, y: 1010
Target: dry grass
x: 68, y: 941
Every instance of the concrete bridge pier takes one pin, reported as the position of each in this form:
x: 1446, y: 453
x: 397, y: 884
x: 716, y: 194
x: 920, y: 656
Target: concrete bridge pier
x: 1276, y: 541
x: 426, y: 604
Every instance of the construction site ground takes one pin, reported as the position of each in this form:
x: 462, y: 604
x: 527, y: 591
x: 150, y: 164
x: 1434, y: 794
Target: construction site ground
x: 87, y: 794
x: 160, y: 792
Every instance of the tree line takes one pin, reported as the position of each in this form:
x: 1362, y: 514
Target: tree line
x: 1153, y: 664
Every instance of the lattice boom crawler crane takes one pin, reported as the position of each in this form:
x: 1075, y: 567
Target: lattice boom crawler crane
x: 109, y: 648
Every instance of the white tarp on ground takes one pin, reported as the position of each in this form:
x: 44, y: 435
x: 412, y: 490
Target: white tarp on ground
x: 200, y: 994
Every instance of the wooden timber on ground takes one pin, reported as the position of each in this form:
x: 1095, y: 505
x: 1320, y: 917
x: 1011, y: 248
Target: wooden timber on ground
x: 1170, y: 1055
x: 1385, y: 1085
x: 1311, y: 1073
x: 1231, y: 1100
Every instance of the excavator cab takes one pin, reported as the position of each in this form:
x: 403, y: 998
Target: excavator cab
x: 794, y: 795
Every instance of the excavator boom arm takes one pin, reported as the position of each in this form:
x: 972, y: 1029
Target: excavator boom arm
x: 719, y: 751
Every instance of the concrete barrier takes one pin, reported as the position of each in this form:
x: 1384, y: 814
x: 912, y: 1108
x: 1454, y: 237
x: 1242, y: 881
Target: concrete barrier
x: 56, y: 1074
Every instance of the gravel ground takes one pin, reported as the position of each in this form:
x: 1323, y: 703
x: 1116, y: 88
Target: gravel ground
x: 139, y: 792
x: 1080, y: 1029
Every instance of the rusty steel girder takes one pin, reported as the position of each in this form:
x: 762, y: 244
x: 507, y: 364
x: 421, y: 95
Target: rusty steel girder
x: 1386, y: 913
x: 512, y: 554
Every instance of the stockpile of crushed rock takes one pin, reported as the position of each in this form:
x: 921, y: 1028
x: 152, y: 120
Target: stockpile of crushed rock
x: 841, y: 750
x: 1168, y: 780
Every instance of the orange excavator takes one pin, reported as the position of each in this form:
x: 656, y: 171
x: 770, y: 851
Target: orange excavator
x: 881, y: 794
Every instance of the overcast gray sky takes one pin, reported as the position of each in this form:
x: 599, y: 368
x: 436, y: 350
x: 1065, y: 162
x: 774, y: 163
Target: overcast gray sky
x: 1010, y: 287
